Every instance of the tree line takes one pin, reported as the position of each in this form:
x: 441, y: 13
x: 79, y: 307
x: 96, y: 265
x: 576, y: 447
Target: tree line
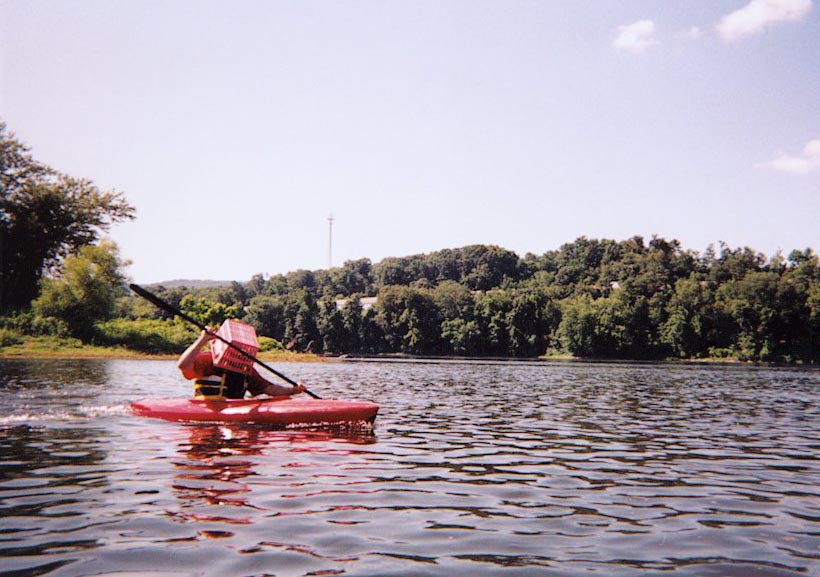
x: 594, y: 298
x: 597, y: 298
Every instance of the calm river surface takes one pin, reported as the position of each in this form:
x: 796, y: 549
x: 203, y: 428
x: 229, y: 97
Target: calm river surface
x: 531, y: 469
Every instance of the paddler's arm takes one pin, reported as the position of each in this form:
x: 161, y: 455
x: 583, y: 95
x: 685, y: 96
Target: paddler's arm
x: 257, y: 385
x: 274, y: 390
x: 186, y: 359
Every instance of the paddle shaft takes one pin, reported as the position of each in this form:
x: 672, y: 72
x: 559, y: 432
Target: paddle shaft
x: 173, y: 310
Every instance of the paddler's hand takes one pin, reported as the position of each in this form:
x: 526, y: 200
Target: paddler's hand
x: 300, y: 388
x: 186, y: 359
x: 206, y: 335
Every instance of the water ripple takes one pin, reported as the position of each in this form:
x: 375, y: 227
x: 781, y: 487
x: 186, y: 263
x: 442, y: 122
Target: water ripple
x: 474, y: 469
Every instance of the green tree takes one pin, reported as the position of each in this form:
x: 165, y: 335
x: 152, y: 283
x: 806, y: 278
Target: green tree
x: 372, y: 336
x: 410, y: 320
x: 255, y: 286
x: 487, y: 267
x: 331, y: 326
x: 734, y: 264
x: 276, y: 285
x: 686, y: 330
x: 207, y: 312
x: 462, y: 337
x: 492, y: 309
x: 86, y: 289
x: 531, y: 320
x: 813, y: 304
x: 268, y: 316
x: 624, y: 329
x: 577, y: 329
x: 609, y: 327
x: 393, y: 272
x: 353, y: 319
x: 355, y: 276
x: 45, y: 216
x: 302, y: 280
x: 751, y: 304
x: 477, y: 267
x: 453, y: 300
x: 302, y: 332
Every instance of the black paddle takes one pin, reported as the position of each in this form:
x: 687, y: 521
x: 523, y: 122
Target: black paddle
x: 173, y: 310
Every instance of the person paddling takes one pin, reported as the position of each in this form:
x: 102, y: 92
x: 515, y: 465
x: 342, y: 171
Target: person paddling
x: 221, y: 372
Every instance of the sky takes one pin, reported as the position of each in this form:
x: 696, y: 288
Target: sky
x: 236, y: 129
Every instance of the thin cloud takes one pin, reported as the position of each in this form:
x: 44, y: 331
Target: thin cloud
x: 804, y: 163
x: 636, y: 37
x: 760, y: 14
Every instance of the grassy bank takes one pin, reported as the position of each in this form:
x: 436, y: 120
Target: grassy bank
x: 47, y: 347
x: 52, y: 347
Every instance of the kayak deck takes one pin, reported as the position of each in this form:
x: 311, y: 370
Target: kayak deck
x: 277, y: 411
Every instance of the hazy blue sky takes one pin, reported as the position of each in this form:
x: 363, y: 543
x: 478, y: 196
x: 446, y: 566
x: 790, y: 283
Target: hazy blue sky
x: 236, y: 128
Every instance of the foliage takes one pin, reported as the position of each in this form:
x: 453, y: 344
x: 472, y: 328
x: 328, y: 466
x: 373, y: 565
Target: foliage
x: 207, y: 312
x: 631, y: 299
x: 28, y: 323
x: 268, y: 344
x: 477, y: 267
x: 267, y: 315
x: 590, y: 298
x: 86, y: 290
x: 146, y: 335
x: 45, y: 216
x: 153, y: 336
x: 9, y: 338
x: 603, y: 298
x: 409, y: 319
x: 690, y: 313
x: 52, y: 346
x: 577, y: 332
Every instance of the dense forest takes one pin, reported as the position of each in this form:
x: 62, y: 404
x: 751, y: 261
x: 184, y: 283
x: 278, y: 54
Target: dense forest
x: 590, y: 298
x: 593, y: 298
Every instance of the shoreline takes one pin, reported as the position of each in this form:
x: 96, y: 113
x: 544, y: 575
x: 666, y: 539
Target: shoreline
x: 32, y: 351
x: 36, y: 350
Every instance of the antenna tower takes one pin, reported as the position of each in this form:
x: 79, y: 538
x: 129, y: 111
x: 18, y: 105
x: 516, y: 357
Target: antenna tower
x: 330, y: 220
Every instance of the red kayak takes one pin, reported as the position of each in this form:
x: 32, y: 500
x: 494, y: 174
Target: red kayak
x: 277, y: 411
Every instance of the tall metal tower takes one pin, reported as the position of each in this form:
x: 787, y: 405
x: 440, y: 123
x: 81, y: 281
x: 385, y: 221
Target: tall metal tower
x: 330, y: 220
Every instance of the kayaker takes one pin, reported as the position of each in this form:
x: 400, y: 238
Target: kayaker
x: 197, y: 365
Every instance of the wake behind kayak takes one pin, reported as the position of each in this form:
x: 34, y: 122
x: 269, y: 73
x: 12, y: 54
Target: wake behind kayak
x: 273, y: 411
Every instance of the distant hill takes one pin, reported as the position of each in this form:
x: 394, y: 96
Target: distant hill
x: 191, y: 283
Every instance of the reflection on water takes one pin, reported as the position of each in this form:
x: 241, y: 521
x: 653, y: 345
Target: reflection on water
x: 474, y: 469
x: 48, y: 480
x: 211, y: 482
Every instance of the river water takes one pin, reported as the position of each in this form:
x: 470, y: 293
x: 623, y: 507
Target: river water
x: 530, y: 469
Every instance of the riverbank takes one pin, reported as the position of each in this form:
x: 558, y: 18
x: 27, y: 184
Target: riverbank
x: 67, y: 348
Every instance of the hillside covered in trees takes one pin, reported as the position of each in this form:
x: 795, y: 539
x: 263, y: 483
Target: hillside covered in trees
x: 628, y: 299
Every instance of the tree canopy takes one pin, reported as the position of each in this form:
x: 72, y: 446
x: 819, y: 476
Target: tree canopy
x: 86, y: 291
x: 45, y: 216
x: 630, y: 299
x: 602, y: 298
